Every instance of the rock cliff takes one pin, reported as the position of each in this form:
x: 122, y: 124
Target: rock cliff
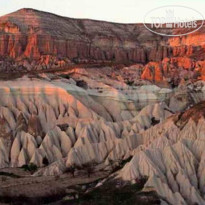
x: 38, y: 40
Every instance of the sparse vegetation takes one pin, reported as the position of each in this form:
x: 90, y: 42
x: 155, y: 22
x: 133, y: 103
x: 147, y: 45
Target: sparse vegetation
x: 30, y: 167
x: 71, y: 169
x: 45, y: 161
x: 110, y: 193
x: 89, y: 168
x: 67, y: 76
x: 117, y: 165
x: 154, y: 121
x: 82, y: 84
x: 130, y: 83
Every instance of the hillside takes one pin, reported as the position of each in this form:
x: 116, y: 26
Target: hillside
x: 35, y: 40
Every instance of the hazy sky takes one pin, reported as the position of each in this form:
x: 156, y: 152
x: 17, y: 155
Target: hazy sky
x: 124, y: 11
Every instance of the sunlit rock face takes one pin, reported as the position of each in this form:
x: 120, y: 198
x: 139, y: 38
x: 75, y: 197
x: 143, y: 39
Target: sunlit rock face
x: 40, y: 40
x: 57, y: 119
x: 61, y: 119
x: 54, y: 118
x: 172, y: 156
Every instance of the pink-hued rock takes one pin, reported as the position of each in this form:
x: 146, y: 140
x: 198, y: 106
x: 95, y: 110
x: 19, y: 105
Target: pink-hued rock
x: 32, y: 34
x: 35, y: 40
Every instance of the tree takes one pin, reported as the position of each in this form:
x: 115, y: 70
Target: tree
x: 30, y: 167
x: 82, y: 84
x: 71, y: 169
x: 130, y: 82
x: 45, y: 161
x: 154, y: 121
x: 89, y: 167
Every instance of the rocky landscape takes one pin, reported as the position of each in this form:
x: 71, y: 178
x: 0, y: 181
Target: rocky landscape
x: 88, y: 105
x: 35, y: 40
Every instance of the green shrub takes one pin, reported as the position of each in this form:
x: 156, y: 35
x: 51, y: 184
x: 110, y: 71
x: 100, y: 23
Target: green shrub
x: 45, y: 161
x: 31, y: 167
x: 130, y: 83
x: 82, y: 84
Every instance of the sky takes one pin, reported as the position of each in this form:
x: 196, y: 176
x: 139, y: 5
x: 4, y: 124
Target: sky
x: 121, y: 11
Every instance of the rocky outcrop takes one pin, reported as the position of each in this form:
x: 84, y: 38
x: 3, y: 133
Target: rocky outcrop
x: 59, y: 120
x: 42, y: 41
x: 31, y: 34
x: 172, y: 156
x: 50, y: 118
x: 105, y: 115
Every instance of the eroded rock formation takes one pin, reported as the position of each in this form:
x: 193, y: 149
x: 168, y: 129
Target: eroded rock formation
x: 68, y: 125
x: 35, y: 40
x: 104, y: 115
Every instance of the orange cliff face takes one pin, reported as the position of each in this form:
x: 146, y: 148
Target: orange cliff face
x: 46, y: 41
x: 152, y: 72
